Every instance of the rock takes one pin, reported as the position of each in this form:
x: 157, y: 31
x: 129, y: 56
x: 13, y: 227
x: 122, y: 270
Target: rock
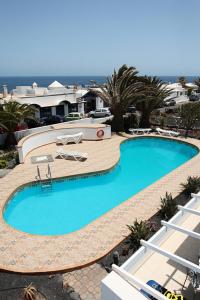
x: 11, y: 164
x: 4, y: 172
x: 75, y: 296
x: 116, y: 258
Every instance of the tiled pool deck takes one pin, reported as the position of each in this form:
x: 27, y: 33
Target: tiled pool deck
x: 23, y: 252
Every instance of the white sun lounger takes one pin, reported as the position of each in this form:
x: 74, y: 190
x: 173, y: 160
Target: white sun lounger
x: 70, y: 138
x: 167, y: 132
x: 140, y: 130
x: 65, y: 154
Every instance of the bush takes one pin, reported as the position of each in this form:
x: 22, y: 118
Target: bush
x: 11, y: 155
x: 3, y: 163
x: 139, y: 230
x: 168, y: 207
x: 192, y: 185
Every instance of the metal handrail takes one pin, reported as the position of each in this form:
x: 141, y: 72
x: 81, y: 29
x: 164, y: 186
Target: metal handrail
x: 38, y: 176
x: 48, y: 175
x: 48, y: 182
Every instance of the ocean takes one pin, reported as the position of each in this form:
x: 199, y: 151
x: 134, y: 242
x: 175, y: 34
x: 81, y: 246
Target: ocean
x: 13, y: 81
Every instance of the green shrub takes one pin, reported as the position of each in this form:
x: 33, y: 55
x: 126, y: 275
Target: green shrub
x: 192, y: 185
x: 168, y: 207
x: 9, y: 155
x: 3, y: 163
x: 139, y: 230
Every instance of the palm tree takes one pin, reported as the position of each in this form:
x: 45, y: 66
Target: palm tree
x: 120, y: 91
x: 197, y: 82
x: 182, y: 80
x: 152, y: 97
x: 11, y: 114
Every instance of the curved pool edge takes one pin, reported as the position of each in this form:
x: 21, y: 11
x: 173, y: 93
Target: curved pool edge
x: 117, y: 212
x: 97, y: 172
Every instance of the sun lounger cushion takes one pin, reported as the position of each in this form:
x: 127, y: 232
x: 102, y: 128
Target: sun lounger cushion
x: 140, y: 130
x: 68, y: 154
x: 70, y: 138
x: 167, y: 132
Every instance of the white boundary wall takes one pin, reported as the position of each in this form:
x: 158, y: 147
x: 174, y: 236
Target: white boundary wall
x: 50, y: 136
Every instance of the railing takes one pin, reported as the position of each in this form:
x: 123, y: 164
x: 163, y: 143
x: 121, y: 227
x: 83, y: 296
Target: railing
x: 45, y: 183
x: 48, y: 176
x: 38, y: 176
x: 137, y: 283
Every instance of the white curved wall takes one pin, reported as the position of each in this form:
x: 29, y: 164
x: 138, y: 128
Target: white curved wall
x: 46, y: 137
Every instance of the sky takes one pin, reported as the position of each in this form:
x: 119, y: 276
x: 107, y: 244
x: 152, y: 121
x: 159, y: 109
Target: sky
x: 90, y: 37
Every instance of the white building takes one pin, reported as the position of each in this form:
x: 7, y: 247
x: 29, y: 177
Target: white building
x: 179, y: 93
x: 192, y: 86
x: 177, y: 90
x: 57, y: 99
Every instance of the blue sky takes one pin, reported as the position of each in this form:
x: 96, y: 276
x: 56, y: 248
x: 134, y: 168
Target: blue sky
x: 90, y: 37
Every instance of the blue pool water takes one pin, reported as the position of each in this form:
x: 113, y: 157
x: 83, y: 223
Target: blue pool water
x: 74, y: 203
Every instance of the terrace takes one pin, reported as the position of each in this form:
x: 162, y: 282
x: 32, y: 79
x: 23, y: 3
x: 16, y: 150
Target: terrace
x: 180, y: 238
x: 50, y: 253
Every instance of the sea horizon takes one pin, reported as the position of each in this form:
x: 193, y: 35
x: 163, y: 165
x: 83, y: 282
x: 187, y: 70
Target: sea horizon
x: 45, y: 80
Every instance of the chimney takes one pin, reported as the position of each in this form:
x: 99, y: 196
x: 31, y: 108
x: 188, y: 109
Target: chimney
x: 5, y: 91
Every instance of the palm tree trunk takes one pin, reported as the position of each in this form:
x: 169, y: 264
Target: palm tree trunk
x: 118, y: 121
x: 145, y: 120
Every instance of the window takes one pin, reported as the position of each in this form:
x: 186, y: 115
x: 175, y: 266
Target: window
x: 60, y: 110
x: 45, y: 112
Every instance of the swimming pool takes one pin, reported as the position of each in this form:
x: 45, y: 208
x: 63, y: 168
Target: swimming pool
x: 74, y: 203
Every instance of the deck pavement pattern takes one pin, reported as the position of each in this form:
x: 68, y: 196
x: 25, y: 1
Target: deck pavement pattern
x: 27, y: 253
x: 86, y: 281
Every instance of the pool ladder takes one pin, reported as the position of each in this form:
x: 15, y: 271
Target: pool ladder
x: 45, y: 183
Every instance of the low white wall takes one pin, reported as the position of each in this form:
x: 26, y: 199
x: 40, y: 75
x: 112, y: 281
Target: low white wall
x: 50, y: 136
x: 22, y: 133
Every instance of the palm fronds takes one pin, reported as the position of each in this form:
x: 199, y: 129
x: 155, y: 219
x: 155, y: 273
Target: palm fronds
x: 119, y: 92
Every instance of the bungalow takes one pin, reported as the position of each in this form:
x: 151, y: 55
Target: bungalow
x: 56, y: 99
